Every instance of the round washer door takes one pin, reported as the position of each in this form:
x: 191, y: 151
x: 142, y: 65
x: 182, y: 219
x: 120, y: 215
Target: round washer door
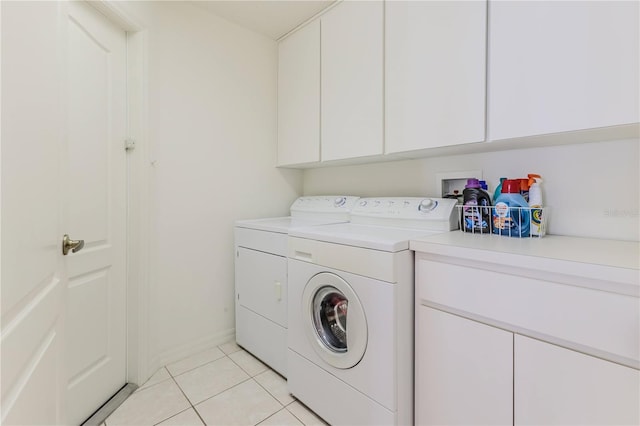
x: 335, y: 322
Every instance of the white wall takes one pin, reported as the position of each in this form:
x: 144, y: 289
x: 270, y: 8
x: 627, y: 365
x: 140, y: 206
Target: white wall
x: 212, y: 134
x: 592, y: 189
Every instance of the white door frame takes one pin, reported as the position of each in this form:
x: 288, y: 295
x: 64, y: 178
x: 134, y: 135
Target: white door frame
x: 139, y: 188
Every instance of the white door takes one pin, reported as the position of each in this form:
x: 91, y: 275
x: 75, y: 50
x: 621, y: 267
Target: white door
x: 435, y: 61
x: 95, y: 210
x: 558, y: 386
x: 464, y: 371
x: 32, y: 381
x: 299, y: 96
x: 352, y: 86
x: 62, y: 172
x: 557, y: 66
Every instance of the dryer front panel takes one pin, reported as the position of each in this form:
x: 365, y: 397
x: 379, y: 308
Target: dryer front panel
x: 335, y: 322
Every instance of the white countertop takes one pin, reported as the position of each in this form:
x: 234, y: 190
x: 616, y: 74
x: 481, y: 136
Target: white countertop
x: 284, y: 225
x: 593, y: 259
x: 383, y: 238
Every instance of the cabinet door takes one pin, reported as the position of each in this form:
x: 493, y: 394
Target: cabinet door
x: 261, y: 284
x: 435, y: 56
x: 352, y: 86
x: 557, y: 386
x: 299, y: 97
x: 558, y: 66
x: 464, y: 371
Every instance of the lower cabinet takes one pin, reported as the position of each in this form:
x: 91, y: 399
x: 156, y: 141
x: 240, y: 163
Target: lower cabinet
x: 464, y: 371
x: 471, y: 373
x: 557, y: 386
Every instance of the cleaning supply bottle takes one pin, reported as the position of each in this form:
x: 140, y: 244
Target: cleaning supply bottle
x: 498, y: 190
x: 510, y: 213
x: 535, y: 202
x: 524, y: 189
x: 476, y: 210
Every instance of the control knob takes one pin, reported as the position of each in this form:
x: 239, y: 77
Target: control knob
x: 339, y: 202
x: 427, y: 205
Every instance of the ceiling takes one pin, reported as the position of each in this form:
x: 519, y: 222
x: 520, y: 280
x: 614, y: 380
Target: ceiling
x: 272, y: 18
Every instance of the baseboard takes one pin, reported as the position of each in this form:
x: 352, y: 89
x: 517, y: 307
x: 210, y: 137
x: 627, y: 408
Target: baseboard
x: 191, y: 348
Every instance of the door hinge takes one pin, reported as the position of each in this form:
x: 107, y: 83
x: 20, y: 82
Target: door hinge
x: 129, y: 144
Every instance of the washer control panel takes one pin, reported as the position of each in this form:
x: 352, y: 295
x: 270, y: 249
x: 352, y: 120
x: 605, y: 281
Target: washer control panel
x: 406, y: 211
x: 324, y: 204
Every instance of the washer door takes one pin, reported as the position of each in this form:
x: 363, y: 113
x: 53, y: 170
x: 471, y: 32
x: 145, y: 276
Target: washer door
x: 336, y: 325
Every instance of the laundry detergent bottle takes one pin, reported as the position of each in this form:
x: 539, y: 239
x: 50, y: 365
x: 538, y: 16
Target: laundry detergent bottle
x: 510, y: 213
x: 476, y: 210
x: 498, y: 190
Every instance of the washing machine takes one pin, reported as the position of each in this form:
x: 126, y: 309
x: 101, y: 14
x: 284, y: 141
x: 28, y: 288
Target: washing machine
x: 261, y: 274
x: 351, y: 293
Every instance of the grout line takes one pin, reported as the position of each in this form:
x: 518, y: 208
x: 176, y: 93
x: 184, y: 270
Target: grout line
x: 264, y: 420
x: 193, y: 406
x: 294, y: 414
x: 239, y: 348
x: 185, y: 397
x: 199, y: 416
x: 248, y: 373
x: 186, y: 409
x: 189, y: 401
x: 144, y: 388
x: 294, y: 400
x: 195, y: 368
x: 221, y: 392
x: 269, y: 392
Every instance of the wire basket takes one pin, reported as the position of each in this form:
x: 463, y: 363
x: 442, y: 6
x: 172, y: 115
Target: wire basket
x: 518, y: 222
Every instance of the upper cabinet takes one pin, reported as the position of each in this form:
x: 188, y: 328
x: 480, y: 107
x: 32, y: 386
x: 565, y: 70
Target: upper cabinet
x: 372, y: 80
x: 435, y: 62
x: 299, y: 97
x: 352, y: 80
x: 562, y: 66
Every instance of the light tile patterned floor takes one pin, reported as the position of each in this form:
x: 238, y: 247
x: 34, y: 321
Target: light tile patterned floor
x: 220, y: 386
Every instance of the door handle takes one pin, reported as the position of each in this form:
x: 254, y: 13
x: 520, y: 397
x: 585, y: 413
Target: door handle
x: 69, y: 244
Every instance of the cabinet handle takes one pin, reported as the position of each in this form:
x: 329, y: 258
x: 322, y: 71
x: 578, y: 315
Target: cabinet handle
x: 278, y: 290
x: 306, y: 257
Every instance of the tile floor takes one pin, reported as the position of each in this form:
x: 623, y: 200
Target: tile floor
x: 220, y: 386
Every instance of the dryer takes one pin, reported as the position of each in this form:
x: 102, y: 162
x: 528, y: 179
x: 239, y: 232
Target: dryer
x: 350, y: 314
x: 261, y: 274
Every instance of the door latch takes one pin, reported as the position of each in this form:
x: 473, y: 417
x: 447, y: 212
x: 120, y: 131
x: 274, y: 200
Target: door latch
x: 69, y: 244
